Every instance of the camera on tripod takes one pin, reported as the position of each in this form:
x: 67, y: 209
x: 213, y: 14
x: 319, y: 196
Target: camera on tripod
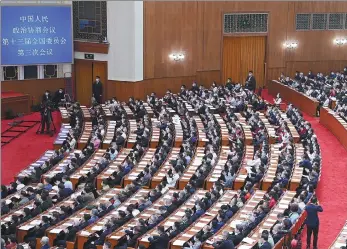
x: 46, y: 117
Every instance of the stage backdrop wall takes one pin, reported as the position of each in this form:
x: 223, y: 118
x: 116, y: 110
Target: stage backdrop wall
x: 195, y: 28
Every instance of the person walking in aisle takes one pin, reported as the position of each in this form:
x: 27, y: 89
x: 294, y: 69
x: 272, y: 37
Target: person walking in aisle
x: 312, y: 221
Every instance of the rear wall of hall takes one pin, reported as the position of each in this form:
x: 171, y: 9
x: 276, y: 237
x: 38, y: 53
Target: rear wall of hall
x: 196, y: 28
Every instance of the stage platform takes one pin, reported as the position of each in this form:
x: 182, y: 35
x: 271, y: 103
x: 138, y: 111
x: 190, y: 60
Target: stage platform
x: 15, y: 101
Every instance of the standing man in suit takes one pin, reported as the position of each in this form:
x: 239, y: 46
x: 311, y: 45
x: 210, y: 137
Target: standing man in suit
x: 97, y: 90
x: 251, y: 83
x: 312, y: 221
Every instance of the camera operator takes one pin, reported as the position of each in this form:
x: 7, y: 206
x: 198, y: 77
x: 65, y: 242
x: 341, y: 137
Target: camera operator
x: 46, y: 112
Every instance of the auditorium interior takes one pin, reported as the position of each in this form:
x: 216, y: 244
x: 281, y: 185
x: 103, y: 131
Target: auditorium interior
x: 173, y: 124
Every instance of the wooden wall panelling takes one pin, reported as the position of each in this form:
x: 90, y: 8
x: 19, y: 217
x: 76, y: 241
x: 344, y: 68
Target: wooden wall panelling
x: 315, y: 66
x: 274, y: 73
x: 83, y: 81
x: 169, y: 30
x: 207, y: 77
x: 91, y: 47
x: 35, y: 88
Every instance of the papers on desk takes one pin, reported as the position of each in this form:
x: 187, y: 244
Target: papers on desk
x: 85, y: 233
x: 283, y: 206
x: 248, y: 240
x: 96, y: 228
x: 200, y: 224
x: 169, y: 223
x: 244, y: 247
x: 178, y: 243
x: 56, y: 230
x: 339, y: 245
x: 27, y: 227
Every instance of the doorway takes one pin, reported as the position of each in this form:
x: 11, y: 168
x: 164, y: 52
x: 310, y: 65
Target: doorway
x: 242, y: 54
x: 85, y: 74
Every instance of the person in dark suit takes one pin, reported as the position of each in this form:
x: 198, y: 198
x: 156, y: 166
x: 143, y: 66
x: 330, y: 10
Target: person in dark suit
x: 264, y: 243
x: 159, y: 241
x: 58, y: 96
x: 237, y: 236
x: 312, y: 221
x: 251, y: 83
x: 97, y: 90
x: 226, y: 243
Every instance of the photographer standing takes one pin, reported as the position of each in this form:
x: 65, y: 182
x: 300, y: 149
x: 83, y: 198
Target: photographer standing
x: 312, y: 221
x: 46, y: 114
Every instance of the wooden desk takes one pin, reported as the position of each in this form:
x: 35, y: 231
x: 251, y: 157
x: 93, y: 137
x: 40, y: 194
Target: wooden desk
x: 269, y: 220
x: 53, y: 231
x: 140, y: 166
x: 335, y: 124
x: 340, y: 239
x: 247, y: 133
x: 60, y: 166
x: 65, y: 117
x: 16, y: 102
x: 107, y: 112
x: 291, y: 128
x: 217, y: 170
x: 176, y: 216
x: 237, y: 218
x: 202, y: 221
x: 62, y: 135
x: 109, y: 134
x: 154, y: 140
x: 117, y: 235
x: 112, y: 167
x: 132, y: 135
x: 86, y: 114
x: 202, y: 139
x: 148, y: 110
x: 86, y: 167
x: 127, y: 110
x: 223, y: 130
x: 86, y: 134
x: 47, y: 155
x: 191, y: 168
x: 160, y: 174
x: 23, y: 229
x: 298, y: 171
x: 176, y: 120
x: 300, y: 100
x: 83, y: 235
x: 272, y: 167
x: 269, y: 128
x: 242, y: 172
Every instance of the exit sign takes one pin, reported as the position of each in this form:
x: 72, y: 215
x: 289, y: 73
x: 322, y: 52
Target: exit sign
x: 89, y: 56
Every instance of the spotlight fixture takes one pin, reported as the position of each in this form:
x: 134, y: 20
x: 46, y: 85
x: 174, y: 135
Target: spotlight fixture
x: 290, y: 45
x: 340, y: 41
x: 177, y: 57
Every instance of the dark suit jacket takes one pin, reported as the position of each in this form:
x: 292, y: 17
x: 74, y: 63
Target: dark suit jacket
x: 97, y: 88
x: 236, y: 238
x: 226, y: 244
x: 266, y: 245
x: 159, y: 242
x: 312, y: 219
x: 251, y: 83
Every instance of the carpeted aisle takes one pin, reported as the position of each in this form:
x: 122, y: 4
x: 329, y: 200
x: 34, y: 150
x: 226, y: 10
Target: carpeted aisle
x: 25, y: 149
x: 332, y: 188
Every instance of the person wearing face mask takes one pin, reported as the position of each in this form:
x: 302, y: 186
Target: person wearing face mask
x: 97, y: 90
x: 46, y: 112
x: 58, y: 97
x: 251, y: 82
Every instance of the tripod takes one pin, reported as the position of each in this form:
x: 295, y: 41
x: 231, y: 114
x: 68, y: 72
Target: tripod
x: 50, y: 121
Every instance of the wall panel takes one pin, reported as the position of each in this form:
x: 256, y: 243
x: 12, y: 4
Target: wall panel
x: 196, y: 28
x: 35, y: 88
